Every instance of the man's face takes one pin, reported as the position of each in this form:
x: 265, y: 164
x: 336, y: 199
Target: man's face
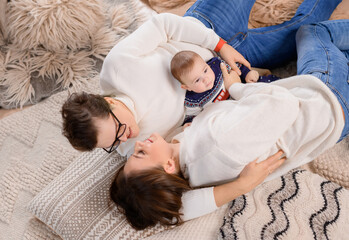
x: 107, y: 127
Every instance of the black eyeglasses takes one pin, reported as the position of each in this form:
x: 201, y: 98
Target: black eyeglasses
x: 120, y: 130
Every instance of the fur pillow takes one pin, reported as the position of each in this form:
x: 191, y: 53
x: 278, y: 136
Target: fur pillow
x: 56, y: 45
x: 54, y: 25
x: 3, y: 4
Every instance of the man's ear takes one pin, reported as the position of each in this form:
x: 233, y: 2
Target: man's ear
x: 170, y: 167
x: 110, y: 101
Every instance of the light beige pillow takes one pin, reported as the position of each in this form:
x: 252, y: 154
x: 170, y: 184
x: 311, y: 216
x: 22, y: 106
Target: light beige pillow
x: 76, y: 205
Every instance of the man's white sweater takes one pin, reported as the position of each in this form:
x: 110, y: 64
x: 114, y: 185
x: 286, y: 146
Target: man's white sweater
x: 137, y: 72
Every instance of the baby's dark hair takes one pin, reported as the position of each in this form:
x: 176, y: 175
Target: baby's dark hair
x: 182, y: 63
x: 149, y: 197
x: 78, y: 113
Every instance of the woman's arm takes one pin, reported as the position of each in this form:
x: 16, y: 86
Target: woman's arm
x: 199, y: 202
x: 251, y: 176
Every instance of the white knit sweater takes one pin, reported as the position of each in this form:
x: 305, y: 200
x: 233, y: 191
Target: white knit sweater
x: 299, y: 115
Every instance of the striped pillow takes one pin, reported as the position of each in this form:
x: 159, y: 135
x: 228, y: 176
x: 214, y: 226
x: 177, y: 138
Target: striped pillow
x: 76, y: 204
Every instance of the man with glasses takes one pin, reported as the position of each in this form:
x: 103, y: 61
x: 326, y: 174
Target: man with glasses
x: 120, y: 130
x: 89, y: 122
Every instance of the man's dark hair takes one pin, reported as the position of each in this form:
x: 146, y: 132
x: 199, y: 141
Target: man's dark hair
x: 78, y: 114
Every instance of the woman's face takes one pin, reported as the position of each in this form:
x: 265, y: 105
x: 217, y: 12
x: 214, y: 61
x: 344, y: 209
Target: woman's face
x: 107, y: 127
x: 153, y: 152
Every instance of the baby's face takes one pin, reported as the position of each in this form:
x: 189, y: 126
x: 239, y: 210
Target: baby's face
x: 200, y: 78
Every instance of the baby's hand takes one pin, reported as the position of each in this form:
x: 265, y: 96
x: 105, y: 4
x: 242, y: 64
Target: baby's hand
x: 229, y: 78
x: 252, y: 76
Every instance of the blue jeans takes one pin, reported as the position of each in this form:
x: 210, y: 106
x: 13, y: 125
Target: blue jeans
x: 265, y: 47
x: 323, y: 51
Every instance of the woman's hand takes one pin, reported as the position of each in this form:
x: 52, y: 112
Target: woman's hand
x: 231, y: 56
x: 255, y: 173
x: 250, y: 177
x: 229, y: 78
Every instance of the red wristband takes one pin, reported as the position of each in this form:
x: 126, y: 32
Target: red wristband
x: 219, y: 45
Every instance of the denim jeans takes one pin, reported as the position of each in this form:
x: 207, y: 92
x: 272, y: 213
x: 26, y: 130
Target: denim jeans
x: 265, y: 47
x: 323, y: 51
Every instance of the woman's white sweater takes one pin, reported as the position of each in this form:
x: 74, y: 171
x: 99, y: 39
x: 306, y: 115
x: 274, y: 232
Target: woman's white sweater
x: 299, y: 115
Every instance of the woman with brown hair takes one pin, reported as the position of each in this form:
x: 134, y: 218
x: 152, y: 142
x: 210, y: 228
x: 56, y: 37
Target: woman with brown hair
x: 151, y: 196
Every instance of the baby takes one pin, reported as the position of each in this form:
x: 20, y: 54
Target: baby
x: 204, y: 81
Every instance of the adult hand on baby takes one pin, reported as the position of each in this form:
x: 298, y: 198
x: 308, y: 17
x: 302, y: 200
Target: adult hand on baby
x: 252, y: 76
x: 229, y: 78
x: 254, y: 173
x: 231, y: 56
